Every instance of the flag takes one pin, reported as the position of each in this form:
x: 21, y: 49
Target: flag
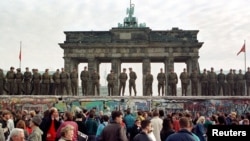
x: 243, y: 49
x: 20, y: 54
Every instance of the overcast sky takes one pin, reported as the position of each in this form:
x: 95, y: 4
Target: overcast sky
x: 39, y: 24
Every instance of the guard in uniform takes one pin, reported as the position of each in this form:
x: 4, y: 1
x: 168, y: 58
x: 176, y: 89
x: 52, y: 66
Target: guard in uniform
x: 161, y: 77
x: 123, y: 78
x: 132, y: 78
x: 95, y: 77
x: 19, y: 81
x: 85, y: 79
x: 148, y: 84
x: 27, y: 76
x: 74, y: 81
x: 184, y: 77
x: 111, y: 83
x: 11, y: 76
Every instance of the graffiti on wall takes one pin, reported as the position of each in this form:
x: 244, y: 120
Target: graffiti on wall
x: 203, y: 106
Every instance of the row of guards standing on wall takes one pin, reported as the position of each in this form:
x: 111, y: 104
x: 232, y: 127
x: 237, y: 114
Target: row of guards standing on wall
x: 36, y: 83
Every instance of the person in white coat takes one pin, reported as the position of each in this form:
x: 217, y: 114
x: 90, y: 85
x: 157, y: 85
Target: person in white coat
x: 157, y: 125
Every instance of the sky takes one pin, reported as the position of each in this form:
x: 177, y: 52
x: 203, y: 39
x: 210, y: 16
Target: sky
x: 38, y: 27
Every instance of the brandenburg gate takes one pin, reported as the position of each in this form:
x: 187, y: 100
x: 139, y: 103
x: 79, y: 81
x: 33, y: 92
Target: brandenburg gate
x: 131, y: 42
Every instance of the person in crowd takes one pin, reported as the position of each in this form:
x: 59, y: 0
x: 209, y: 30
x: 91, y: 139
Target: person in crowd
x: 140, y: 115
x: 4, y: 121
x: 80, y: 121
x: 104, y: 122
x: 2, y: 138
x: 245, y: 122
x: 114, y: 130
x: 91, y: 125
x: 17, y: 134
x: 129, y: 120
x: 50, y: 124
x: 184, y: 134
x: 67, y: 133
x: 146, y: 128
x: 136, y: 129
x: 176, y: 123
x: 200, y: 129
x: 36, y: 134
x: 167, y: 128
x: 68, y: 119
x: 156, y: 122
x: 21, y: 124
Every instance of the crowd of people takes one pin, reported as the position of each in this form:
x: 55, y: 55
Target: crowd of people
x: 60, y: 82
x: 155, y: 125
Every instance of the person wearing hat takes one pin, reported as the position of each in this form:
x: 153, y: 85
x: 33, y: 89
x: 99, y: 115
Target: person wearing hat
x: 10, y: 76
x: 204, y: 83
x: 123, y: 78
x: 230, y: 82
x: 19, y: 81
x: 64, y: 77
x: 27, y: 81
x: 46, y: 82
x: 111, y: 83
x: 57, y: 82
x: 85, y: 79
x: 36, y: 78
x: 240, y: 80
x: 221, y: 82
x: 161, y: 78
x: 74, y: 81
x: 132, y: 78
x: 247, y: 77
x: 212, y: 79
x: 95, y: 77
x: 36, y: 134
x: 2, y: 81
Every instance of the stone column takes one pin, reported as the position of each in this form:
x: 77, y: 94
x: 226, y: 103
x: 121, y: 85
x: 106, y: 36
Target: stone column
x: 146, y: 66
x: 93, y: 64
x: 116, y: 67
x: 67, y: 64
x: 169, y: 64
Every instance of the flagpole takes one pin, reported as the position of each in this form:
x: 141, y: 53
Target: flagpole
x: 20, y: 55
x: 245, y: 55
